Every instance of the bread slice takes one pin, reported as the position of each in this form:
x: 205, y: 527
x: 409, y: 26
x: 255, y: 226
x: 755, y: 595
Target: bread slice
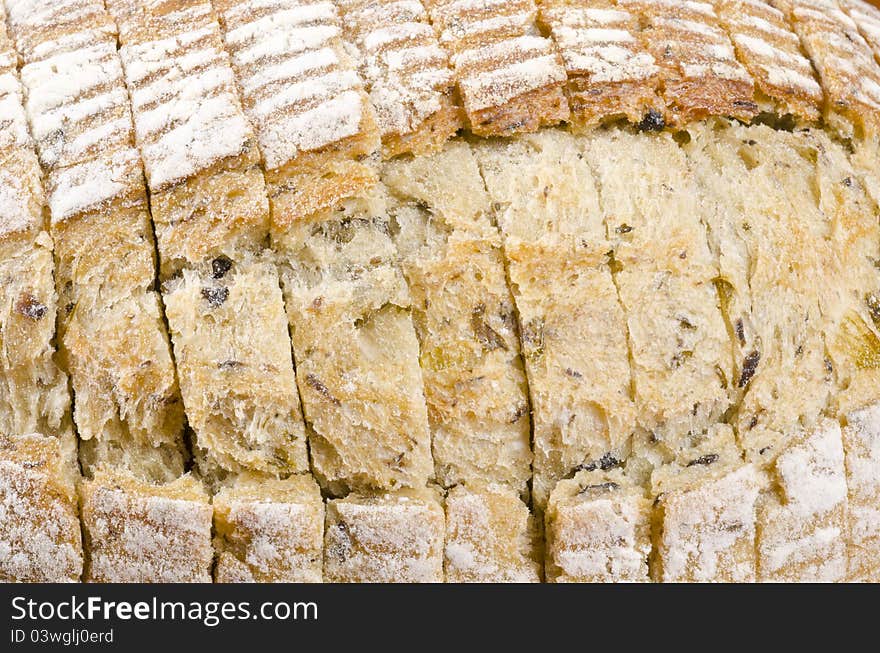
x: 491, y: 537
x: 384, y: 538
x: 211, y: 214
x: 704, y: 522
x: 235, y: 367
x: 844, y: 216
x: 35, y: 397
x: 770, y: 51
x: 610, y: 72
x: 112, y: 337
x: 406, y: 72
x: 802, y: 518
x: 664, y: 273
x: 464, y: 317
x: 269, y: 530
x: 138, y: 532
x: 770, y: 263
x: 572, y: 326
x: 598, y: 529
x: 40, y: 537
x: 861, y: 443
x: 305, y: 101
x: 356, y: 351
x: 699, y: 71
x: 509, y: 76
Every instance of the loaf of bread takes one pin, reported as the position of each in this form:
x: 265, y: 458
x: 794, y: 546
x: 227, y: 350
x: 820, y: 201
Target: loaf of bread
x: 439, y: 290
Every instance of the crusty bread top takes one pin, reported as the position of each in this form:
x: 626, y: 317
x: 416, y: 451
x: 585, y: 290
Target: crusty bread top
x: 187, y: 114
x: 299, y: 91
x: 303, y: 67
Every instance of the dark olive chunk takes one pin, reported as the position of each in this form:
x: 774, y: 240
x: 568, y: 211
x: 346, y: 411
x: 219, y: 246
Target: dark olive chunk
x: 750, y: 366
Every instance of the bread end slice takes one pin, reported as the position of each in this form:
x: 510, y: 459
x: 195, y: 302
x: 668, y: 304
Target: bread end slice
x: 491, y: 537
x: 137, y: 532
x: 269, y: 530
x: 40, y: 538
x: 385, y: 538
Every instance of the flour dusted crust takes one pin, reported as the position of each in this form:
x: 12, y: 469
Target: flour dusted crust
x: 867, y: 19
x: 384, y: 538
x: 305, y: 100
x: 861, y: 443
x: 800, y: 535
x: 705, y: 523
x: 407, y: 73
x: 610, y: 72
x: 39, y: 532
x: 187, y: 115
x: 700, y: 75
x: 598, y: 529
x: 843, y: 60
x: 509, y: 76
x: 47, y: 29
x: 490, y: 536
x: 77, y: 104
x: 640, y: 345
x: 771, y: 53
x: 138, y: 532
x: 269, y: 530
x: 464, y: 317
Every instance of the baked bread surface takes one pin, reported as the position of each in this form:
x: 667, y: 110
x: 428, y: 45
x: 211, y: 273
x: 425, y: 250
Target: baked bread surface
x: 439, y: 290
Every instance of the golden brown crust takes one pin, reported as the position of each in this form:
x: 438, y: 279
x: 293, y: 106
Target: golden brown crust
x: 435, y: 131
x: 406, y: 72
x: 510, y: 77
x: 317, y: 181
x: 844, y: 62
x: 770, y: 51
x: 700, y: 74
x: 300, y: 91
x: 610, y: 73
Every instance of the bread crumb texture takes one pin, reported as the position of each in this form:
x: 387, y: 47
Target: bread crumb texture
x: 439, y: 291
